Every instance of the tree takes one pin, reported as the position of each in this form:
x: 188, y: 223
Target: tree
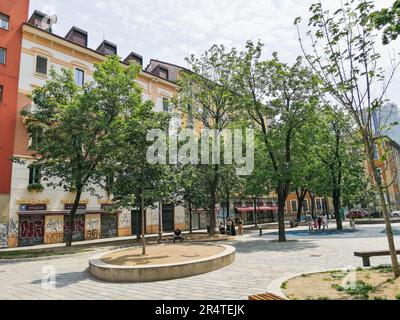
x: 80, y: 125
x: 257, y: 184
x: 389, y: 20
x: 345, y: 58
x: 341, y: 159
x: 139, y: 182
x: 278, y: 99
x: 191, y: 188
x: 206, y: 92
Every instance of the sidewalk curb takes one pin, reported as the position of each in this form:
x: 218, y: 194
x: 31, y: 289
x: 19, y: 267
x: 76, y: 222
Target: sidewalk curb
x: 57, y: 257
x: 275, y: 286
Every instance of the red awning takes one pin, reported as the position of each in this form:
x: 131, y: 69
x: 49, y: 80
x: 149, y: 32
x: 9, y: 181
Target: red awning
x: 251, y: 209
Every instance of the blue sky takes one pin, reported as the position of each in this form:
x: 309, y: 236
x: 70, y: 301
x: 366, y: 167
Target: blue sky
x: 170, y: 30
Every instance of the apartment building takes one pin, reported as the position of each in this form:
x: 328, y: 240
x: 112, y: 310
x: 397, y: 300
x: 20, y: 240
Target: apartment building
x: 28, y: 50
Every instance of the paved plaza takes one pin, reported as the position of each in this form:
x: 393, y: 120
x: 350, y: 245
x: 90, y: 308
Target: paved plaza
x: 259, y: 262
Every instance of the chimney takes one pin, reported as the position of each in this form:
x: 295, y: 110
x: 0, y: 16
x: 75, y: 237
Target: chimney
x: 42, y: 20
x: 78, y: 36
x: 134, y: 58
x: 107, y: 48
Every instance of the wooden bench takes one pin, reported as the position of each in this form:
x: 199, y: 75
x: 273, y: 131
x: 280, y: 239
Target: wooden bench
x: 265, y: 296
x: 366, y: 255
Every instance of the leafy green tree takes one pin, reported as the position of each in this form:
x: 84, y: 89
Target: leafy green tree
x: 278, y: 99
x: 258, y: 184
x: 191, y: 189
x: 80, y: 126
x: 389, y: 20
x: 206, y: 92
x: 345, y: 58
x: 138, y: 181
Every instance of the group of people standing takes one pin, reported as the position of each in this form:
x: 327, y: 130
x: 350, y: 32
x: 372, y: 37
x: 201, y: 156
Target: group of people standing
x: 318, y: 223
x: 231, y: 227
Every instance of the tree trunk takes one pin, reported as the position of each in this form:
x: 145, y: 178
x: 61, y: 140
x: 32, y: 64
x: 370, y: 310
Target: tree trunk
x: 336, y: 206
x: 211, y: 213
x: 138, y: 227
x: 228, y: 200
x: 300, y: 198
x: 160, y: 223
x: 281, y: 214
x: 389, y: 230
x: 213, y: 201
x: 255, y: 211
x: 190, y: 217
x: 312, y: 198
x: 72, y: 217
x: 143, y: 227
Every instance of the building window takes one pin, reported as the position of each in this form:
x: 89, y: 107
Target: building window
x: 79, y: 77
x: 3, y: 54
x: 41, y: 65
x: 163, y: 73
x: 4, y: 21
x: 305, y: 205
x: 34, y: 174
x: 293, y: 204
x: 379, y: 175
x: 1, y: 93
x: 36, y: 136
x: 165, y: 103
x: 319, y: 204
x: 190, y: 116
x: 376, y: 153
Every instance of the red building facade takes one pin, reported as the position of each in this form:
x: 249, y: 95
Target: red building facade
x: 13, y: 13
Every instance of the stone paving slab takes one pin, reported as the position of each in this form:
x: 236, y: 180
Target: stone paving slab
x: 259, y: 262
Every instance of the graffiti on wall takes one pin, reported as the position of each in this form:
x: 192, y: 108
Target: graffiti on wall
x: 54, y: 224
x: 109, y: 224
x: 31, y: 230
x: 92, y: 224
x: 92, y: 227
x: 13, y: 228
x: 3, y: 235
x: 54, y: 229
x: 124, y: 221
x: 78, y: 228
x: 54, y: 237
x: 92, y: 234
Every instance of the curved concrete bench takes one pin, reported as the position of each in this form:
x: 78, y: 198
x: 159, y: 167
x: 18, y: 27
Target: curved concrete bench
x: 160, y: 272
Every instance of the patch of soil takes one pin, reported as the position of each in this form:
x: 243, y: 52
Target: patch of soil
x: 324, y: 286
x: 162, y: 254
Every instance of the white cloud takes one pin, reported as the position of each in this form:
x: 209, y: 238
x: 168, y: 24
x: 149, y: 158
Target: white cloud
x: 170, y: 30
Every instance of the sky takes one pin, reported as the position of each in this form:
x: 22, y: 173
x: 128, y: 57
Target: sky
x: 170, y: 30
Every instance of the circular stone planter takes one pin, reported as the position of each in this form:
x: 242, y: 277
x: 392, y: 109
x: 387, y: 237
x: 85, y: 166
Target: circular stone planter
x: 159, y: 272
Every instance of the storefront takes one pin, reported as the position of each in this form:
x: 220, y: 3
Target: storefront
x: 264, y: 214
x: 38, y: 226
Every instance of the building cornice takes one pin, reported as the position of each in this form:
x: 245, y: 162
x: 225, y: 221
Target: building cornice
x: 53, y: 38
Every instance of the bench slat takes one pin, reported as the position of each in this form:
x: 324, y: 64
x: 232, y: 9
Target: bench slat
x: 374, y: 253
x: 265, y: 296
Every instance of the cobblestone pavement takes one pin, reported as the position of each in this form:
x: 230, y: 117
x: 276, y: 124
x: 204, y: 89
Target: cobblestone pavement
x: 259, y: 261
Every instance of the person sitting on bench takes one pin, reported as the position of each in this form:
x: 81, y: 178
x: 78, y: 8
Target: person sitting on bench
x: 178, y: 235
x: 222, y: 228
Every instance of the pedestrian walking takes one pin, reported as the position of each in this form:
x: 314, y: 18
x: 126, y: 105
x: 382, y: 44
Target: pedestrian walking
x: 233, y: 228
x: 310, y: 221
x: 240, y: 224
x: 325, y: 222
x: 228, y: 226
x: 319, y: 221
